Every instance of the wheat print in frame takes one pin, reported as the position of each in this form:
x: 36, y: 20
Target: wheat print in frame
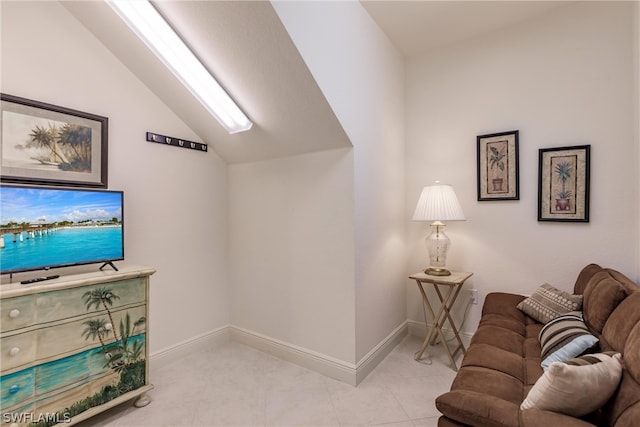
x: 498, y: 176
x: 563, y: 184
x: 48, y: 144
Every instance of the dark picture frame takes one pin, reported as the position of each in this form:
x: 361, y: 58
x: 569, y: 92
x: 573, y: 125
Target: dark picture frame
x: 498, y: 166
x: 563, y: 183
x: 47, y: 144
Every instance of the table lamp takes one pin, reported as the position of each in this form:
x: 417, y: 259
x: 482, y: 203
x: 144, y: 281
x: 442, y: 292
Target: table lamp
x: 438, y: 203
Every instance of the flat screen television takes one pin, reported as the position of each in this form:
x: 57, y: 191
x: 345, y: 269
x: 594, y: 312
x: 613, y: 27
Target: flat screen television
x: 45, y: 227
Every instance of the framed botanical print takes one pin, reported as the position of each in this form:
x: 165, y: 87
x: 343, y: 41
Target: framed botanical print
x: 563, y: 184
x: 498, y: 176
x: 47, y: 144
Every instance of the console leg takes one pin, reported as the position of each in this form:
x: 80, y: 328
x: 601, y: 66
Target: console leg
x: 142, y: 401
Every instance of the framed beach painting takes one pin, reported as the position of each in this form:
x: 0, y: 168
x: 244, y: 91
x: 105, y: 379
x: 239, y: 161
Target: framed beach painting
x: 563, y: 184
x: 498, y: 176
x: 47, y: 144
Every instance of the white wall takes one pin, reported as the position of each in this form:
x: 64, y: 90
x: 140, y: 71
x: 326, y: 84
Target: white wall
x: 636, y: 114
x: 563, y: 79
x: 291, y: 250
x: 361, y: 74
x: 310, y: 263
x: 175, y: 199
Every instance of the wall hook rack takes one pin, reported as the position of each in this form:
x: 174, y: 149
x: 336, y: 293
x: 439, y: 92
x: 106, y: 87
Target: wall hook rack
x: 176, y: 142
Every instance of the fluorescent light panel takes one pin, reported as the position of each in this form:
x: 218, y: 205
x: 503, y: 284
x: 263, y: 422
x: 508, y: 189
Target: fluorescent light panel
x: 158, y: 35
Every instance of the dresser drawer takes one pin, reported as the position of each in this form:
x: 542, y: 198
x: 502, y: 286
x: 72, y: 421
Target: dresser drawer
x: 17, y: 387
x: 17, y: 312
x: 67, y: 303
x: 18, y: 350
x: 66, y: 338
x: 28, y: 310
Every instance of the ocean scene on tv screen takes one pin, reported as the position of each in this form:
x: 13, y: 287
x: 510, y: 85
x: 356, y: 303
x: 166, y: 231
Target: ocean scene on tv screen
x: 45, y: 227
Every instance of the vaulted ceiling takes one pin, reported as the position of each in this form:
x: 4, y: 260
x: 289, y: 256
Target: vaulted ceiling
x: 418, y: 26
x: 246, y: 47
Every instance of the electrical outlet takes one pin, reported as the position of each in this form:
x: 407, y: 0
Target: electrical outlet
x: 474, y: 296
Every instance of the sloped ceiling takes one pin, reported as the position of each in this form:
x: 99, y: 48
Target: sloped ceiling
x: 415, y: 27
x: 245, y: 46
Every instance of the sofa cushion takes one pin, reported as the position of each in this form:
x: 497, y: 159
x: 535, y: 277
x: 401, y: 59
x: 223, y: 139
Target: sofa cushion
x: 499, y: 337
x: 548, y: 302
x: 488, y: 356
x: 622, y: 320
x: 584, y: 277
x: 632, y: 353
x: 477, y: 408
x: 623, y: 409
x: 601, y: 296
x: 504, y: 305
x: 563, y: 338
x: 576, y: 387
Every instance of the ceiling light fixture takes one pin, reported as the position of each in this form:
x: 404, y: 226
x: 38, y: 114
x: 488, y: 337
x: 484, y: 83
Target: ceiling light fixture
x: 158, y: 35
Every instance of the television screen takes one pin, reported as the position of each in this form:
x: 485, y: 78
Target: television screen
x: 44, y: 227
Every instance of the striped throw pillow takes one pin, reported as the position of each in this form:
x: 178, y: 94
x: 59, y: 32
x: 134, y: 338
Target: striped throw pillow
x: 590, y: 359
x: 563, y: 338
x: 547, y: 303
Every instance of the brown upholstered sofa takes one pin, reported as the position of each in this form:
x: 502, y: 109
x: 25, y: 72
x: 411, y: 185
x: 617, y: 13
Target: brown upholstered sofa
x: 502, y: 362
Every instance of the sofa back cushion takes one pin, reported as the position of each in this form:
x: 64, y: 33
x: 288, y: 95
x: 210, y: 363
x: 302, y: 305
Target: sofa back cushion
x: 601, y: 296
x: 623, y: 319
x: 584, y: 277
x: 623, y: 409
x: 621, y: 332
x: 610, y: 308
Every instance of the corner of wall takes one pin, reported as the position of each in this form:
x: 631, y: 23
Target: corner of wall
x: 636, y: 114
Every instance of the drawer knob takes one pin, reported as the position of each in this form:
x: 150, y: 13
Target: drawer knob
x: 108, y: 326
x: 14, y: 351
x: 14, y: 389
x: 14, y: 313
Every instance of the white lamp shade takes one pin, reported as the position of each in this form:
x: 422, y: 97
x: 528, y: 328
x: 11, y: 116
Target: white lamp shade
x: 438, y: 203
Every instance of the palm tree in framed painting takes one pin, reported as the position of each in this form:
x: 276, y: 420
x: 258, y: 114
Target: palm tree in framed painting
x: 563, y: 171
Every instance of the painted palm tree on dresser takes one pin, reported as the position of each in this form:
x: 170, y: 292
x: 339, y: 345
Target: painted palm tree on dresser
x: 96, y: 328
x: 126, y: 350
x: 104, y: 297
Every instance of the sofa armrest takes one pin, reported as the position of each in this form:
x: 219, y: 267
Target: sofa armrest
x: 478, y: 409
x: 538, y: 418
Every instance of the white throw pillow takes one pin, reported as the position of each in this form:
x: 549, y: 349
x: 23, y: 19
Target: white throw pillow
x: 576, y: 389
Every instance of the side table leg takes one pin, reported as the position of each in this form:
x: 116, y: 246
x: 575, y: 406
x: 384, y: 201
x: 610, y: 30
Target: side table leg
x: 447, y: 302
x: 425, y: 303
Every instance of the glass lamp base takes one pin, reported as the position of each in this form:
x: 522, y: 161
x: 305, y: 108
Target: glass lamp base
x: 437, y: 272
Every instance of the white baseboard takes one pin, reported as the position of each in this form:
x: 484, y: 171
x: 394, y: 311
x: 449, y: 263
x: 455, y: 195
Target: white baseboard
x: 187, y: 347
x: 343, y: 371
x: 326, y: 365
x: 379, y: 352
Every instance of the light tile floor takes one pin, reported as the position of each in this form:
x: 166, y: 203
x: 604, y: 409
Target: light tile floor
x: 235, y: 385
